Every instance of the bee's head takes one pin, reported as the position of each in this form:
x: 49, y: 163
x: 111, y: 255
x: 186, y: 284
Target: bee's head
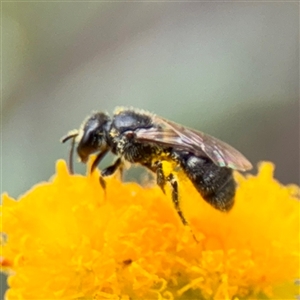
x: 91, y: 137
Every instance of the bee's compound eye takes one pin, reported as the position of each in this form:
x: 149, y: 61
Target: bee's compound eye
x: 88, y: 144
x: 93, y: 136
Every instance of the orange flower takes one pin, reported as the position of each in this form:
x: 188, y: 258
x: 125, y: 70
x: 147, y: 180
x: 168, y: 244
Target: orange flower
x: 70, y: 239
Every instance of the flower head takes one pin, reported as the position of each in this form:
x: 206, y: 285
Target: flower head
x: 71, y: 239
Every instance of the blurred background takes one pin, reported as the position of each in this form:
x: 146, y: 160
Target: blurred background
x: 228, y: 69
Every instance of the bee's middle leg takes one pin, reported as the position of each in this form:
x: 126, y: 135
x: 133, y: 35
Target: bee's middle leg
x: 110, y: 171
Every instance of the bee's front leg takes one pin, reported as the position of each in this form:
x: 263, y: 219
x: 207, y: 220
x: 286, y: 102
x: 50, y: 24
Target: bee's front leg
x: 98, y: 159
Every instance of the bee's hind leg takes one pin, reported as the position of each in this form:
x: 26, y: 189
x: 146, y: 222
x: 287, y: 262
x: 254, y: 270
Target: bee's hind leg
x: 161, y: 180
x: 175, y: 197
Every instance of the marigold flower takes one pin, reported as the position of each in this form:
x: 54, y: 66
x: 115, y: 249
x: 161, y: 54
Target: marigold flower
x: 71, y: 239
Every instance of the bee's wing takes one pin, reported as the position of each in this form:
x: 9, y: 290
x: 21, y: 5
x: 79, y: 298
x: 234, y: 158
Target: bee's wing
x: 170, y: 134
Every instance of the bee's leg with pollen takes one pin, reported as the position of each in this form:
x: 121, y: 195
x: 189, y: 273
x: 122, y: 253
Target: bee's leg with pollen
x: 157, y: 168
x: 175, y: 197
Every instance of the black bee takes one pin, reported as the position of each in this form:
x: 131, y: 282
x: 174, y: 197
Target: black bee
x: 140, y: 137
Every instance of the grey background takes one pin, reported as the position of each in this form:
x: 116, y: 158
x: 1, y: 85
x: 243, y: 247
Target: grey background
x: 228, y: 69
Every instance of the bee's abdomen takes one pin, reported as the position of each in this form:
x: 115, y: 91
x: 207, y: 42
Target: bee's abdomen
x: 215, y: 184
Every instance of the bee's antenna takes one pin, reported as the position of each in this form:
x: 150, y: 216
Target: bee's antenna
x: 71, y: 135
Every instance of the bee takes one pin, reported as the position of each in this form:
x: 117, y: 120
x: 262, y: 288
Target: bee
x: 140, y: 137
